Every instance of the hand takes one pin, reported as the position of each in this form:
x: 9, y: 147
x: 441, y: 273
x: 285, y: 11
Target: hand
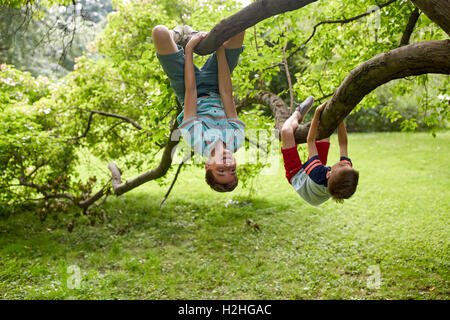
x: 220, y: 49
x: 320, y: 108
x: 196, y: 38
x: 294, y: 125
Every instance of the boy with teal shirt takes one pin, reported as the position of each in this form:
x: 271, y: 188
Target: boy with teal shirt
x: 209, y: 121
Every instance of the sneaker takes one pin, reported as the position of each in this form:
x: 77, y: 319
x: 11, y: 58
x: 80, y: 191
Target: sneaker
x: 182, y: 34
x: 304, y: 107
x: 177, y: 34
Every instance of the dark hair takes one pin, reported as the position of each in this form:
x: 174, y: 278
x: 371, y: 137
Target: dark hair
x: 226, y: 187
x: 342, y: 183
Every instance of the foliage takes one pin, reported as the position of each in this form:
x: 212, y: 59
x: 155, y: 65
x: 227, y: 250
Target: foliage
x: 37, y: 158
x: 45, y: 41
x: 27, y: 132
x: 17, y: 86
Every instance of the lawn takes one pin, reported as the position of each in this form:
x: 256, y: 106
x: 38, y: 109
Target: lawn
x: 389, y: 241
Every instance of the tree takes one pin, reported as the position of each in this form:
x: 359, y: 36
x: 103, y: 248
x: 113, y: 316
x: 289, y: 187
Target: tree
x: 121, y: 107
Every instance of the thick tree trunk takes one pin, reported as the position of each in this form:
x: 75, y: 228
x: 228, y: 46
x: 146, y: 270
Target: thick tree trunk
x: 245, y: 18
x: 436, y: 10
x: 414, y: 59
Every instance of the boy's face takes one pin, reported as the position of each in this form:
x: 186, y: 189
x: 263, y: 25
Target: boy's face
x: 223, y: 166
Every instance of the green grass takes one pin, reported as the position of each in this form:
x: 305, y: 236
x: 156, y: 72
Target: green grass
x: 196, y: 247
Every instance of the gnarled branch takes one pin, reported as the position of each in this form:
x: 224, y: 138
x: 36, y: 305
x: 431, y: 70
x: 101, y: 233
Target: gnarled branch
x: 410, y: 27
x: 414, y: 59
x: 271, y: 100
x: 85, y: 204
x: 106, y: 114
x: 245, y: 18
x: 175, y: 178
x: 164, y: 165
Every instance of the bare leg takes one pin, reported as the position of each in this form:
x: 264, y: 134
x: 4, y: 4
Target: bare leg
x: 287, y: 131
x: 163, y: 40
x: 235, y: 41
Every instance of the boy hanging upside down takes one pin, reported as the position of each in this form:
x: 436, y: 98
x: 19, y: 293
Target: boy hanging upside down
x: 314, y: 181
x: 209, y: 121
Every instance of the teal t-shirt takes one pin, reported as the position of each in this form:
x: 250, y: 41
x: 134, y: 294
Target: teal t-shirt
x: 210, y: 126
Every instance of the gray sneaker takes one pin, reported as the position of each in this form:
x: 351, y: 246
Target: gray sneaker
x: 304, y: 107
x: 182, y: 34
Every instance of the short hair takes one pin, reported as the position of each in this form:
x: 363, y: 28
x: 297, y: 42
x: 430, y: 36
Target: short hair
x: 342, y: 183
x: 226, y: 187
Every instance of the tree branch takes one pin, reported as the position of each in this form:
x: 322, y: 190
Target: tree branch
x: 116, y: 175
x: 38, y: 166
x: 89, y: 201
x: 244, y: 19
x: 410, y: 27
x: 164, y: 165
x: 288, y: 75
x: 87, y: 128
x: 414, y: 59
x: 271, y: 100
x: 118, y: 116
x: 326, y: 96
x: 41, y: 189
x: 174, y: 179
x: 261, y: 83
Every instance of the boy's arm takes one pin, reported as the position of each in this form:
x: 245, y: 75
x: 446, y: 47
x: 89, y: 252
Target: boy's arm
x: 225, y: 85
x: 342, y: 139
x: 190, y: 95
x: 312, y: 133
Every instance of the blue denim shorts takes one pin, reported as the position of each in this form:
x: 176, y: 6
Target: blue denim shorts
x: 205, y: 78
